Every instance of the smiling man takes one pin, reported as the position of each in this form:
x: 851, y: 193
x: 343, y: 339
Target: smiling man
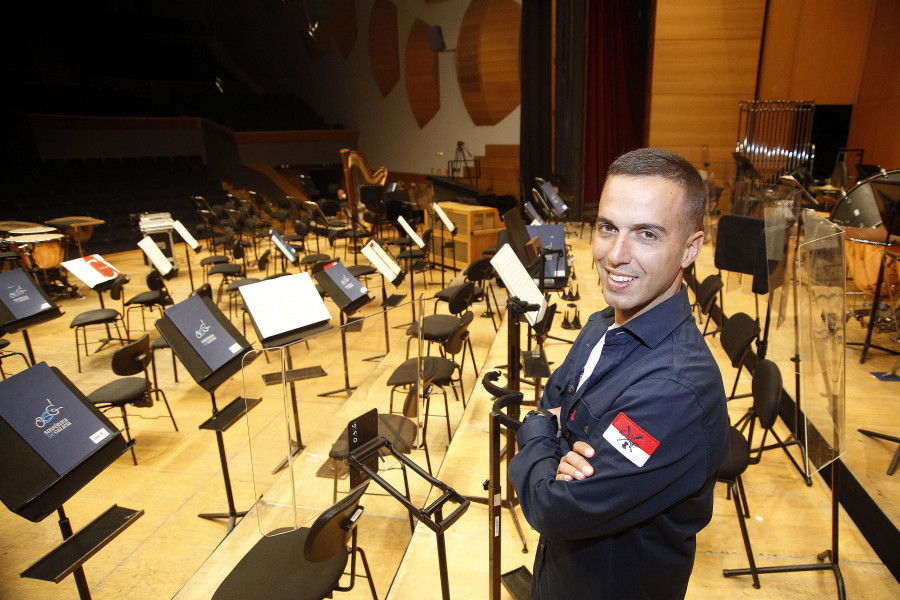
x: 616, y: 468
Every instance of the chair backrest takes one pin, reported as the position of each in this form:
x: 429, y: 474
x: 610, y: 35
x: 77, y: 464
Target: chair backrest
x: 155, y: 281
x: 263, y: 260
x: 461, y: 298
x: 329, y: 534
x: 767, y: 390
x: 115, y: 291
x: 738, y: 333
x: 706, y: 292
x: 457, y: 339
x: 479, y: 269
x: 132, y: 358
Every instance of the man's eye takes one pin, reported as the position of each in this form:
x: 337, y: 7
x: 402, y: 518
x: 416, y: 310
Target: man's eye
x: 647, y: 235
x: 605, y: 228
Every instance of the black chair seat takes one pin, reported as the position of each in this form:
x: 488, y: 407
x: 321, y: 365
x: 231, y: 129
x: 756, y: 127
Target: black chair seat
x: 147, y: 298
x: 738, y: 456
x: 234, y: 285
x: 361, y: 270
x: 95, y: 317
x: 226, y: 269
x: 125, y: 390
x: 3, y: 343
x: 314, y: 258
x: 411, y: 253
x: 159, y: 343
x: 274, y: 568
x: 435, y: 328
x: 405, y: 374
x: 213, y: 260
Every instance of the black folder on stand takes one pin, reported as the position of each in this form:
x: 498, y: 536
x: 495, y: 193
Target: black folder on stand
x: 55, y: 441
x: 345, y: 289
x: 204, y: 340
x: 23, y: 302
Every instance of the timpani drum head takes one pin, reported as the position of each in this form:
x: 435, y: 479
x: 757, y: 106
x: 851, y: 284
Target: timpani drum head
x: 860, y: 207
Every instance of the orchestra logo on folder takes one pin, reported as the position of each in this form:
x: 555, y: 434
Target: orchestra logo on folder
x: 50, y: 417
x: 203, y: 332
x: 21, y: 297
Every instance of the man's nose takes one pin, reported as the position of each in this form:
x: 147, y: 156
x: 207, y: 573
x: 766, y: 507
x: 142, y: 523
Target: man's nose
x: 620, y: 251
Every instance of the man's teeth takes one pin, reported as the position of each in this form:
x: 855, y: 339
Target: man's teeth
x: 620, y: 278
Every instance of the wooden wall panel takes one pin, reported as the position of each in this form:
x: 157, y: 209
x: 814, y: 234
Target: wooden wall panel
x: 342, y: 15
x: 487, y: 59
x: 705, y: 56
x: 423, y: 86
x: 384, y: 45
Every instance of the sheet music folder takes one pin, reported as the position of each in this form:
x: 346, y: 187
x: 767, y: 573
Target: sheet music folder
x: 204, y: 340
x: 342, y: 287
x: 54, y: 441
x: 23, y: 302
x: 284, y: 309
x: 518, y: 282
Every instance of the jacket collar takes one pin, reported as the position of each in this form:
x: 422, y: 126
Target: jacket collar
x: 655, y: 325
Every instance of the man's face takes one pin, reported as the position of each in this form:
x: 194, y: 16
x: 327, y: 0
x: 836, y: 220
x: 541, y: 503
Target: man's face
x: 641, y: 246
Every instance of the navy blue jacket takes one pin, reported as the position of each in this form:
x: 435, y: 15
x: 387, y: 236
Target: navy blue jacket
x: 654, y: 411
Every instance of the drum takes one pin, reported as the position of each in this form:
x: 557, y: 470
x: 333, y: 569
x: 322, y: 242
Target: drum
x: 39, y: 250
x: 864, y: 261
x: 862, y: 205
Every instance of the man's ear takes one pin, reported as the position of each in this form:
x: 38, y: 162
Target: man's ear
x: 692, y: 248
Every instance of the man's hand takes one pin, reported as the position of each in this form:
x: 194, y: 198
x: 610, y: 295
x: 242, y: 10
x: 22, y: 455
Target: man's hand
x: 573, y: 465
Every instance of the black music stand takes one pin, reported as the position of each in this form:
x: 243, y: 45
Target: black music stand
x: 283, y: 311
x: 39, y: 472
x: 24, y: 303
x: 212, y: 350
x: 452, y: 229
x: 365, y: 446
x: 288, y: 252
x: 350, y: 295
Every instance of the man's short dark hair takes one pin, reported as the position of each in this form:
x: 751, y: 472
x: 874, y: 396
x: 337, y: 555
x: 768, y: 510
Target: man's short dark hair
x: 655, y: 162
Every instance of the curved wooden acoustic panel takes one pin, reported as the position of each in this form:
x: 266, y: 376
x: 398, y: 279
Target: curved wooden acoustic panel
x: 422, y: 74
x: 342, y: 15
x: 384, y: 45
x: 487, y: 59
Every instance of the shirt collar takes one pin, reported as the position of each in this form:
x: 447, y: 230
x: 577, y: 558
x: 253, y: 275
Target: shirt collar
x: 659, y: 322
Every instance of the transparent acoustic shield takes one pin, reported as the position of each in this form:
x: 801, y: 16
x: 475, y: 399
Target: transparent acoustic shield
x: 781, y: 213
x: 821, y: 284
x: 310, y: 389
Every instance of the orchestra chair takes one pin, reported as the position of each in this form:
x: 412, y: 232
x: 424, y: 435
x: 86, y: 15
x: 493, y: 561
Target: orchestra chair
x: 730, y: 473
x: 478, y: 272
x: 156, y: 296
x: 709, y: 290
x: 438, y: 328
x: 100, y: 316
x: 230, y: 271
x: 415, y: 257
x: 4, y: 353
x: 303, y: 564
x: 739, y: 331
x: 129, y: 360
x: 767, y: 390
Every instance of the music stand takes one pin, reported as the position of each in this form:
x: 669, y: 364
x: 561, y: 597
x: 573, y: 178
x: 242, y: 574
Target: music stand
x: 191, y: 241
x: 450, y: 227
x: 350, y: 295
x: 24, y: 303
x: 389, y: 270
x: 288, y: 252
x: 212, y: 350
x: 420, y: 243
x: 282, y: 311
x: 156, y: 258
x: 55, y: 441
x: 364, y: 447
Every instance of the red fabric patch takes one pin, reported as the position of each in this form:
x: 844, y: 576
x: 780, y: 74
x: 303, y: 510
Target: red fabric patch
x: 635, y: 434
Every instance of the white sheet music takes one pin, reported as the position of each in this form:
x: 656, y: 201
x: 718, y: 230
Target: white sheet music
x: 518, y: 282
x: 155, y: 256
x: 450, y: 225
x: 284, y: 304
x: 411, y: 232
x: 381, y: 260
x: 186, y: 235
x: 92, y: 270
